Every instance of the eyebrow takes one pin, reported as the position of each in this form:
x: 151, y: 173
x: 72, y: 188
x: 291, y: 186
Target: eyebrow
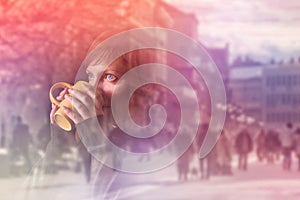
x: 95, y: 68
x: 100, y: 69
x: 115, y: 72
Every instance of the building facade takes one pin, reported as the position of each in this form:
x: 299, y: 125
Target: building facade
x: 245, y: 93
x: 270, y: 94
x: 281, y: 103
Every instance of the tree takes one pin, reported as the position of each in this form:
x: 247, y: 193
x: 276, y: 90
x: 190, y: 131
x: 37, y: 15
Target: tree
x: 42, y: 42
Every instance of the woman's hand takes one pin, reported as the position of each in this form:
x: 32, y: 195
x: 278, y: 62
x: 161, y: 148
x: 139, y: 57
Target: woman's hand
x: 60, y: 97
x: 85, y: 104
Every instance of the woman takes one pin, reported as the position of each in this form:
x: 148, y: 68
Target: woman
x: 120, y: 114
x: 93, y: 109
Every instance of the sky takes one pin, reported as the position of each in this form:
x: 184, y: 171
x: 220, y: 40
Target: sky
x: 262, y: 29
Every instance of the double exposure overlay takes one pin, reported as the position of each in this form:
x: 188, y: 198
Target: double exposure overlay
x: 158, y: 99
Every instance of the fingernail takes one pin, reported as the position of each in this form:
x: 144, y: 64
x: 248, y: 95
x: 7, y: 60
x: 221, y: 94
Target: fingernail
x: 67, y: 96
x: 70, y: 90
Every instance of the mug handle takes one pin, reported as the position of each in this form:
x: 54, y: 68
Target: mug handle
x: 56, y: 86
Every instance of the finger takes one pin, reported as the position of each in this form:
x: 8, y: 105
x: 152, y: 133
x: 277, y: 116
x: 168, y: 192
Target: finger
x: 81, y: 108
x: 84, y: 98
x: 75, y: 117
x: 90, y: 90
x: 53, y: 110
x: 61, y: 95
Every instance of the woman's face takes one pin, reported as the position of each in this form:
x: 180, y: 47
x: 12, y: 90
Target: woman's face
x: 109, y: 78
x: 108, y: 83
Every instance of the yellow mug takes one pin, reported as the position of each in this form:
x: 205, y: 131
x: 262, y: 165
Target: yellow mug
x: 61, y: 119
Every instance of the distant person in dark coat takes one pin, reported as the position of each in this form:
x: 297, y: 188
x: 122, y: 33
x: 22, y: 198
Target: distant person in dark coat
x: 243, y: 145
x: 224, y: 154
x: 21, y: 142
x: 183, y: 162
x: 272, y: 144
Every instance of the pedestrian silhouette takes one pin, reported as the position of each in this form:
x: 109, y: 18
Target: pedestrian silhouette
x: 243, y: 144
x: 21, y: 142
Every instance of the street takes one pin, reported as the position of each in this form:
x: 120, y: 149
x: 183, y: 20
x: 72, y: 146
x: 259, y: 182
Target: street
x: 261, y: 181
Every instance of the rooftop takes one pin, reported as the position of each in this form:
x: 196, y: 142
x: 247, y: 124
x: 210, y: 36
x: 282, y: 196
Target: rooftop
x: 251, y: 72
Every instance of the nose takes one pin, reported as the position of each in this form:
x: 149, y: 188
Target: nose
x: 100, y: 87
x: 104, y: 96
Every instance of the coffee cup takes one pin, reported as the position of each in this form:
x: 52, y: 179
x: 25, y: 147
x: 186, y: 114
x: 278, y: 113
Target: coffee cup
x: 61, y: 119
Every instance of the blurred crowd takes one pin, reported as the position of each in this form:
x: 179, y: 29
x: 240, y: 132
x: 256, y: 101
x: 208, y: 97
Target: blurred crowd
x: 231, y: 150
x: 267, y: 145
x: 21, y: 149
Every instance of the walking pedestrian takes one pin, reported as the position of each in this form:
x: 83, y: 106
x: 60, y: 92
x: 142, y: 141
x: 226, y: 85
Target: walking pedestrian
x: 243, y: 144
x: 287, y: 146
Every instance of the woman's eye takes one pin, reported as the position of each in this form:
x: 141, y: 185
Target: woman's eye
x: 110, y: 77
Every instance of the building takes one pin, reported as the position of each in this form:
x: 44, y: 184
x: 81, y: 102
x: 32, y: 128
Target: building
x: 281, y: 102
x: 270, y: 94
x: 245, y: 92
x: 221, y: 58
